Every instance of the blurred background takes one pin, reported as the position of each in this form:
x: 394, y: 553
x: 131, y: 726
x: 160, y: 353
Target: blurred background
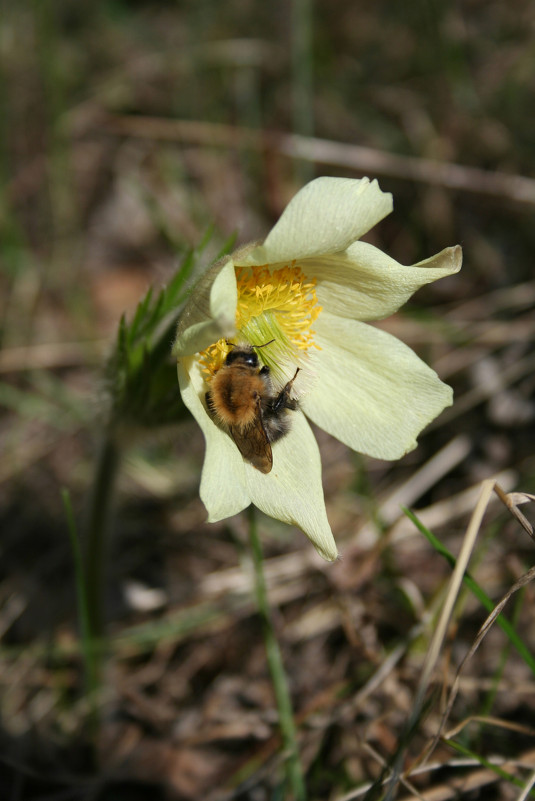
x: 130, y: 134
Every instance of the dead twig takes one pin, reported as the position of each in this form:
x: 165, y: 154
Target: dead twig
x: 365, y: 160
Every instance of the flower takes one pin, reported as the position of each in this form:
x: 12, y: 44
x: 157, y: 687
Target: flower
x: 306, y: 294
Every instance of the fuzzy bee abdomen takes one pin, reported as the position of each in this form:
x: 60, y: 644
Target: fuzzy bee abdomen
x: 238, y: 394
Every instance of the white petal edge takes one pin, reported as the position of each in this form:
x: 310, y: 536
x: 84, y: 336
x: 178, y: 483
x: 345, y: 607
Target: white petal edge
x: 325, y: 216
x: 374, y: 393
x: 365, y: 284
x: 210, y: 312
x: 293, y: 491
x: 223, y: 487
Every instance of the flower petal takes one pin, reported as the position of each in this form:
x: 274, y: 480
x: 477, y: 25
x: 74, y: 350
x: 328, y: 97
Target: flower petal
x: 210, y: 313
x: 375, y: 393
x: 223, y: 486
x: 325, y: 216
x: 365, y: 284
x: 293, y: 491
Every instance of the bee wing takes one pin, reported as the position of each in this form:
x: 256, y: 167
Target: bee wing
x: 253, y: 443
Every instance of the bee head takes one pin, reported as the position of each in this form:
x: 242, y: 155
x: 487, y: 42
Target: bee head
x: 247, y: 357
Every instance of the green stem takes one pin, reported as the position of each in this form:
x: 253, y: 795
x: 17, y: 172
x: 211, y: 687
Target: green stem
x: 97, y: 534
x: 276, y: 668
x: 88, y: 650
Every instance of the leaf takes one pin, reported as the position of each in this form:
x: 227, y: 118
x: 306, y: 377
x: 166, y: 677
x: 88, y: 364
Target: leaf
x: 141, y: 375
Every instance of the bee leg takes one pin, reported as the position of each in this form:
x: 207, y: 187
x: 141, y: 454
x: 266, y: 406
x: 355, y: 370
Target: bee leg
x: 276, y: 422
x: 283, y: 400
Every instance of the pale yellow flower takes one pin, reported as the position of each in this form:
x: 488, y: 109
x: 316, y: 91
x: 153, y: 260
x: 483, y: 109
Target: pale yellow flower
x: 312, y: 287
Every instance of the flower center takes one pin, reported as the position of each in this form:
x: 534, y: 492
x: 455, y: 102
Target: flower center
x: 279, y: 305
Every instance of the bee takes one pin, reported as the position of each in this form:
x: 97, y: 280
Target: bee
x: 243, y: 399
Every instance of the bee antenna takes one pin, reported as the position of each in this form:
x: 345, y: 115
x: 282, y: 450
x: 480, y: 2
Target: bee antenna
x: 264, y: 345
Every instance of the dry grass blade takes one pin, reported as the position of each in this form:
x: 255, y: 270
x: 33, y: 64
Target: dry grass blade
x: 446, y: 511
x: 521, y: 497
x: 420, y: 482
x: 455, y: 584
x: 403, y: 779
x: 460, y: 786
x: 521, y: 582
x: 435, y: 646
x: 512, y: 500
x: 473, y: 397
x: 492, y: 721
x: 527, y: 789
x: 456, y: 786
x: 426, y: 477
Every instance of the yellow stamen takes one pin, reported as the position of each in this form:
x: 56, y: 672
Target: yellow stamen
x: 272, y: 304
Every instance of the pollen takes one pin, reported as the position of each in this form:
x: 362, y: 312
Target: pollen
x: 273, y: 304
x: 213, y: 358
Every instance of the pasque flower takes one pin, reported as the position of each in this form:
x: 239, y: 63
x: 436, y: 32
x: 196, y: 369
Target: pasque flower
x: 310, y: 290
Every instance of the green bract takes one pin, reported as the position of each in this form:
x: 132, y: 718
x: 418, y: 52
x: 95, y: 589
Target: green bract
x: 360, y: 384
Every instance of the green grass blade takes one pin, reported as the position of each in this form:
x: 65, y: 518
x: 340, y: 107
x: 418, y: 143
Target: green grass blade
x: 485, y: 763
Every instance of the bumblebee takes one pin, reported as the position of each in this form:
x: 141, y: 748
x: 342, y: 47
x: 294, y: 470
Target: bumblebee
x: 244, y: 402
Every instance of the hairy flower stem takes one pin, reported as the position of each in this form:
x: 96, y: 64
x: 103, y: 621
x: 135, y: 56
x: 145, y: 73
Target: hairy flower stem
x: 97, y: 536
x: 276, y: 668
